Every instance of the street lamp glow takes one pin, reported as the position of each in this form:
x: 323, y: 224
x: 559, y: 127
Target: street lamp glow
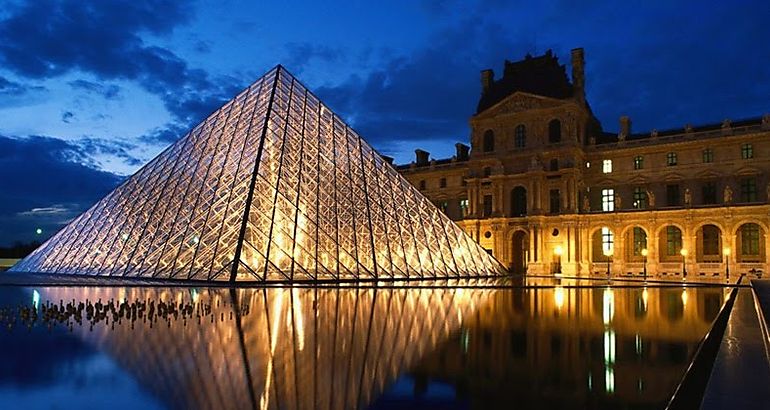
x: 726, y: 251
x: 607, y: 252
x: 558, y: 250
x: 38, y: 231
x: 644, y: 252
x: 683, y: 252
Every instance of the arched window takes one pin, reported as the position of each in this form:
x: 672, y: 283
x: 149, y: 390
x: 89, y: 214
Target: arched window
x: 520, y: 136
x: 488, y: 144
x: 749, y: 237
x: 554, y: 131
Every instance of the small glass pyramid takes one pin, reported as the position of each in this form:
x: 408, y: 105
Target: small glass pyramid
x: 272, y: 187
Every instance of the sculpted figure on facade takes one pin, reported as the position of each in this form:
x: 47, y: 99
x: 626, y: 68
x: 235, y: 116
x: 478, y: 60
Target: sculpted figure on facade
x: 728, y: 195
x: 618, y: 202
x: 687, y: 197
x: 586, y: 203
x: 650, y: 199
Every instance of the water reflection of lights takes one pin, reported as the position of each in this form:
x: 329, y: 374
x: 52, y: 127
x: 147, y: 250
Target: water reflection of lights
x: 609, y: 380
x: 644, y: 298
x: 608, y: 306
x: 558, y: 297
x: 684, y: 297
x: 609, y: 347
x: 35, y: 299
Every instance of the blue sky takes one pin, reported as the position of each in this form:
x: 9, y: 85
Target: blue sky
x: 91, y: 90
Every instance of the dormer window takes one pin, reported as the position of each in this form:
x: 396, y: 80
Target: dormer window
x: 488, y: 145
x: 607, y: 166
x: 554, y: 131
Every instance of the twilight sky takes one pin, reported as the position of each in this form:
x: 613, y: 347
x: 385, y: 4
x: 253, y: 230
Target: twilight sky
x: 91, y: 90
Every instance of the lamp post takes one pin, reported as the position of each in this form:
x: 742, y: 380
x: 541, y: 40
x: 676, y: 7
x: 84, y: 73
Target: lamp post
x: 726, y: 252
x: 683, y: 252
x: 558, y: 251
x: 644, y: 255
x: 608, y: 253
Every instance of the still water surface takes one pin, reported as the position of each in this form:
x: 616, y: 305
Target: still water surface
x: 544, y: 345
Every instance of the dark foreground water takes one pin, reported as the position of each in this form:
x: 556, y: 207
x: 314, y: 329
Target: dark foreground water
x: 547, y: 345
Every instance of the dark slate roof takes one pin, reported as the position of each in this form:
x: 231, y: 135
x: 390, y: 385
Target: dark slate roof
x: 542, y: 75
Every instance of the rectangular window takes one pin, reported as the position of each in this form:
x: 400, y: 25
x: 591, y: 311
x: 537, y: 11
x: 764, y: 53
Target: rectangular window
x: 749, y: 190
x: 747, y: 151
x: 640, y: 198
x: 672, y: 195
x: 443, y: 205
x: 442, y: 183
x: 608, y: 200
x: 639, y: 162
x: 673, y: 240
x: 750, y: 240
x: 608, y: 240
x: 709, y: 192
x: 671, y: 159
x: 640, y: 241
x: 708, y: 155
x: 607, y: 166
x: 710, y: 240
x: 487, y: 206
x: 555, y: 197
x: 463, y: 207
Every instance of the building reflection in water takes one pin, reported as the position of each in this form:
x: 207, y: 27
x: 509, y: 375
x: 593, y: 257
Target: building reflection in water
x: 264, y: 348
x: 573, y: 347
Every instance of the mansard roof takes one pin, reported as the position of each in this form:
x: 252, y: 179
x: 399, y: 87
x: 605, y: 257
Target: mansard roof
x: 541, y: 75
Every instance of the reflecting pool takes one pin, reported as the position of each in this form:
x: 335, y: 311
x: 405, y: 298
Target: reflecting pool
x: 477, y: 345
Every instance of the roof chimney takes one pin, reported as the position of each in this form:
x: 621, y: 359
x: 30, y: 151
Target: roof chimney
x: 625, y: 128
x: 422, y: 157
x: 578, y: 74
x: 462, y: 151
x: 487, y: 78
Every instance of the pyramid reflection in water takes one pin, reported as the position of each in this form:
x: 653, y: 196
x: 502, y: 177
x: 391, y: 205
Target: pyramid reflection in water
x: 271, y: 187
x: 317, y: 347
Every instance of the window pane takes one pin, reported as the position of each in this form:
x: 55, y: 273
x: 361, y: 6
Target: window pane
x: 608, y: 200
x: 639, y: 162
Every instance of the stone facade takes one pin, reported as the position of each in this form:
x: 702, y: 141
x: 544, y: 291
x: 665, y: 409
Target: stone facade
x: 546, y: 190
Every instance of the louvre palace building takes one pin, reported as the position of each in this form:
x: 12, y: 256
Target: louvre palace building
x: 545, y: 190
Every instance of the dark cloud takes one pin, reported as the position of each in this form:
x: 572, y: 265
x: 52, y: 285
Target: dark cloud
x: 13, y: 89
x: 429, y: 94
x: 47, y: 181
x: 108, y: 91
x: 48, y: 38
x: 67, y: 116
x: 301, y: 54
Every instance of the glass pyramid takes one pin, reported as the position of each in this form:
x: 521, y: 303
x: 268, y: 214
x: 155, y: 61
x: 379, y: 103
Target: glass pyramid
x: 272, y: 187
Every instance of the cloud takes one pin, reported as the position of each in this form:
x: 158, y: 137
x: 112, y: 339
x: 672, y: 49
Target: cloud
x: 67, y: 116
x: 40, y: 171
x: 108, y: 91
x: 56, y: 209
x: 105, y: 38
x: 301, y: 54
x: 429, y: 94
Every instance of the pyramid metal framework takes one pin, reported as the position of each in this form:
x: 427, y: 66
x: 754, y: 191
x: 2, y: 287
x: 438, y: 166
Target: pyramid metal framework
x: 272, y: 187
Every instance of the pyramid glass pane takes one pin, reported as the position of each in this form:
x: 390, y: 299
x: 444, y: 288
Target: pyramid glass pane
x: 271, y: 187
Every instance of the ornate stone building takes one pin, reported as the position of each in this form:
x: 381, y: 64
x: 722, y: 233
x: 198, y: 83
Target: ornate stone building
x: 546, y: 190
